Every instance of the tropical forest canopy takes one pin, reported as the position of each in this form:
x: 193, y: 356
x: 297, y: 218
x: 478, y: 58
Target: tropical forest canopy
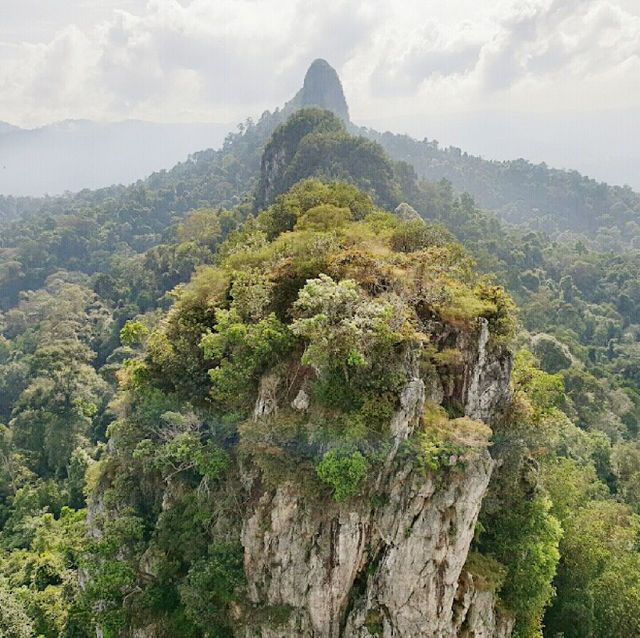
x: 137, y: 323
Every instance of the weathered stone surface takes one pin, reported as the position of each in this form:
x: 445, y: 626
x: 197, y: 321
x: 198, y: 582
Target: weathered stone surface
x: 392, y: 569
x: 488, y: 388
x: 476, y: 614
x: 267, y: 402
x: 407, y: 213
x: 301, y: 402
x: 479, y: 383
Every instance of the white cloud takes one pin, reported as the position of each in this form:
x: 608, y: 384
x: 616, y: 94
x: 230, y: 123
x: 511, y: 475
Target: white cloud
x: 224, y: 59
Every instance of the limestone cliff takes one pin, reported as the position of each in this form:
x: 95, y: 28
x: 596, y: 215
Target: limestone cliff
x: 392, y: 565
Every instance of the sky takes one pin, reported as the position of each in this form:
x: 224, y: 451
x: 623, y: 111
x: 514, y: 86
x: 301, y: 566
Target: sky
x: 402, y: 64
x: 221, y: 60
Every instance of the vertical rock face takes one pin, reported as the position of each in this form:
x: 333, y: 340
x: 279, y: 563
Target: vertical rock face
x: 478, y: 385
x: 322, y: 88
x: 488, y: 385
x: 391, y: 566
x: 476, y: 615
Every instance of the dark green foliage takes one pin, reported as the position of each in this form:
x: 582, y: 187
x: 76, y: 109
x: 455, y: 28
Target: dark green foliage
x: 315, y: 143
x: 552, y: 354
x: 525, y: 540
x: 211, y: 584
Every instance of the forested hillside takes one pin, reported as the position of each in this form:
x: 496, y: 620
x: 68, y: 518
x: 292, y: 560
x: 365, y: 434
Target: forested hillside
x: 147, y: 332
x: 563, y: 203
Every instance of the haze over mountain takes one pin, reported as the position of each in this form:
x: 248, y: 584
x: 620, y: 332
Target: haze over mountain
x: 604, y: 145
x: 322, y: 88
x: 531, y: 195
x: 78, y: 154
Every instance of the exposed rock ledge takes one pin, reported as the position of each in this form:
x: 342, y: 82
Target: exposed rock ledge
x: 390, y: 570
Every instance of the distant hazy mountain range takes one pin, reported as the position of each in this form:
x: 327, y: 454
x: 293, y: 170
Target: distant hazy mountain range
x: 77, y: 154
x: 604, y: 145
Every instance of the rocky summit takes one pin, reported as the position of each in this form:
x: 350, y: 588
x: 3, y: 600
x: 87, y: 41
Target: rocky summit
x: 322, y: 88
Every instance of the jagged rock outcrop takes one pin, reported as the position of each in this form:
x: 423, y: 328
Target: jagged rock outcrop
x: 487, y: 387
x: 407, y: 213
x: 389, y: 566
x: 476, y: 614
x: 478, y: 384
x: 342, y: 572
x: 322, y: 88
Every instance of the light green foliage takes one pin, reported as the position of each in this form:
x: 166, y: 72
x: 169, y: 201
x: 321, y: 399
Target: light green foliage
x: 341, y: 327
x: 182, y: 453
x: 14, y: 622
x: 314, y: 194
x: 435, y: 453
x: 45, y: 571
x: 598, y: 577
x: 325, y: 217
x: 414, y: 235
x: 133, y: 333
x: 251, y: 294
x: 344, y: 472
x: 501, y: 313
x: 543, y: 391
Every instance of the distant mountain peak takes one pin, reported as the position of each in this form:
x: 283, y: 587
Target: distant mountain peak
x: 322, y: 88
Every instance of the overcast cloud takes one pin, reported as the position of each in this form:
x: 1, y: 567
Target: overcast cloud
x: 220, y: 60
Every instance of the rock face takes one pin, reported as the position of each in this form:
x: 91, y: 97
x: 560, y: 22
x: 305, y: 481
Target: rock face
x: 391, y: 566
x: 478, y: 384
x: 488, y: 384
x: 407, y: 213
x: 322, y: 88
x: 476, y: 615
